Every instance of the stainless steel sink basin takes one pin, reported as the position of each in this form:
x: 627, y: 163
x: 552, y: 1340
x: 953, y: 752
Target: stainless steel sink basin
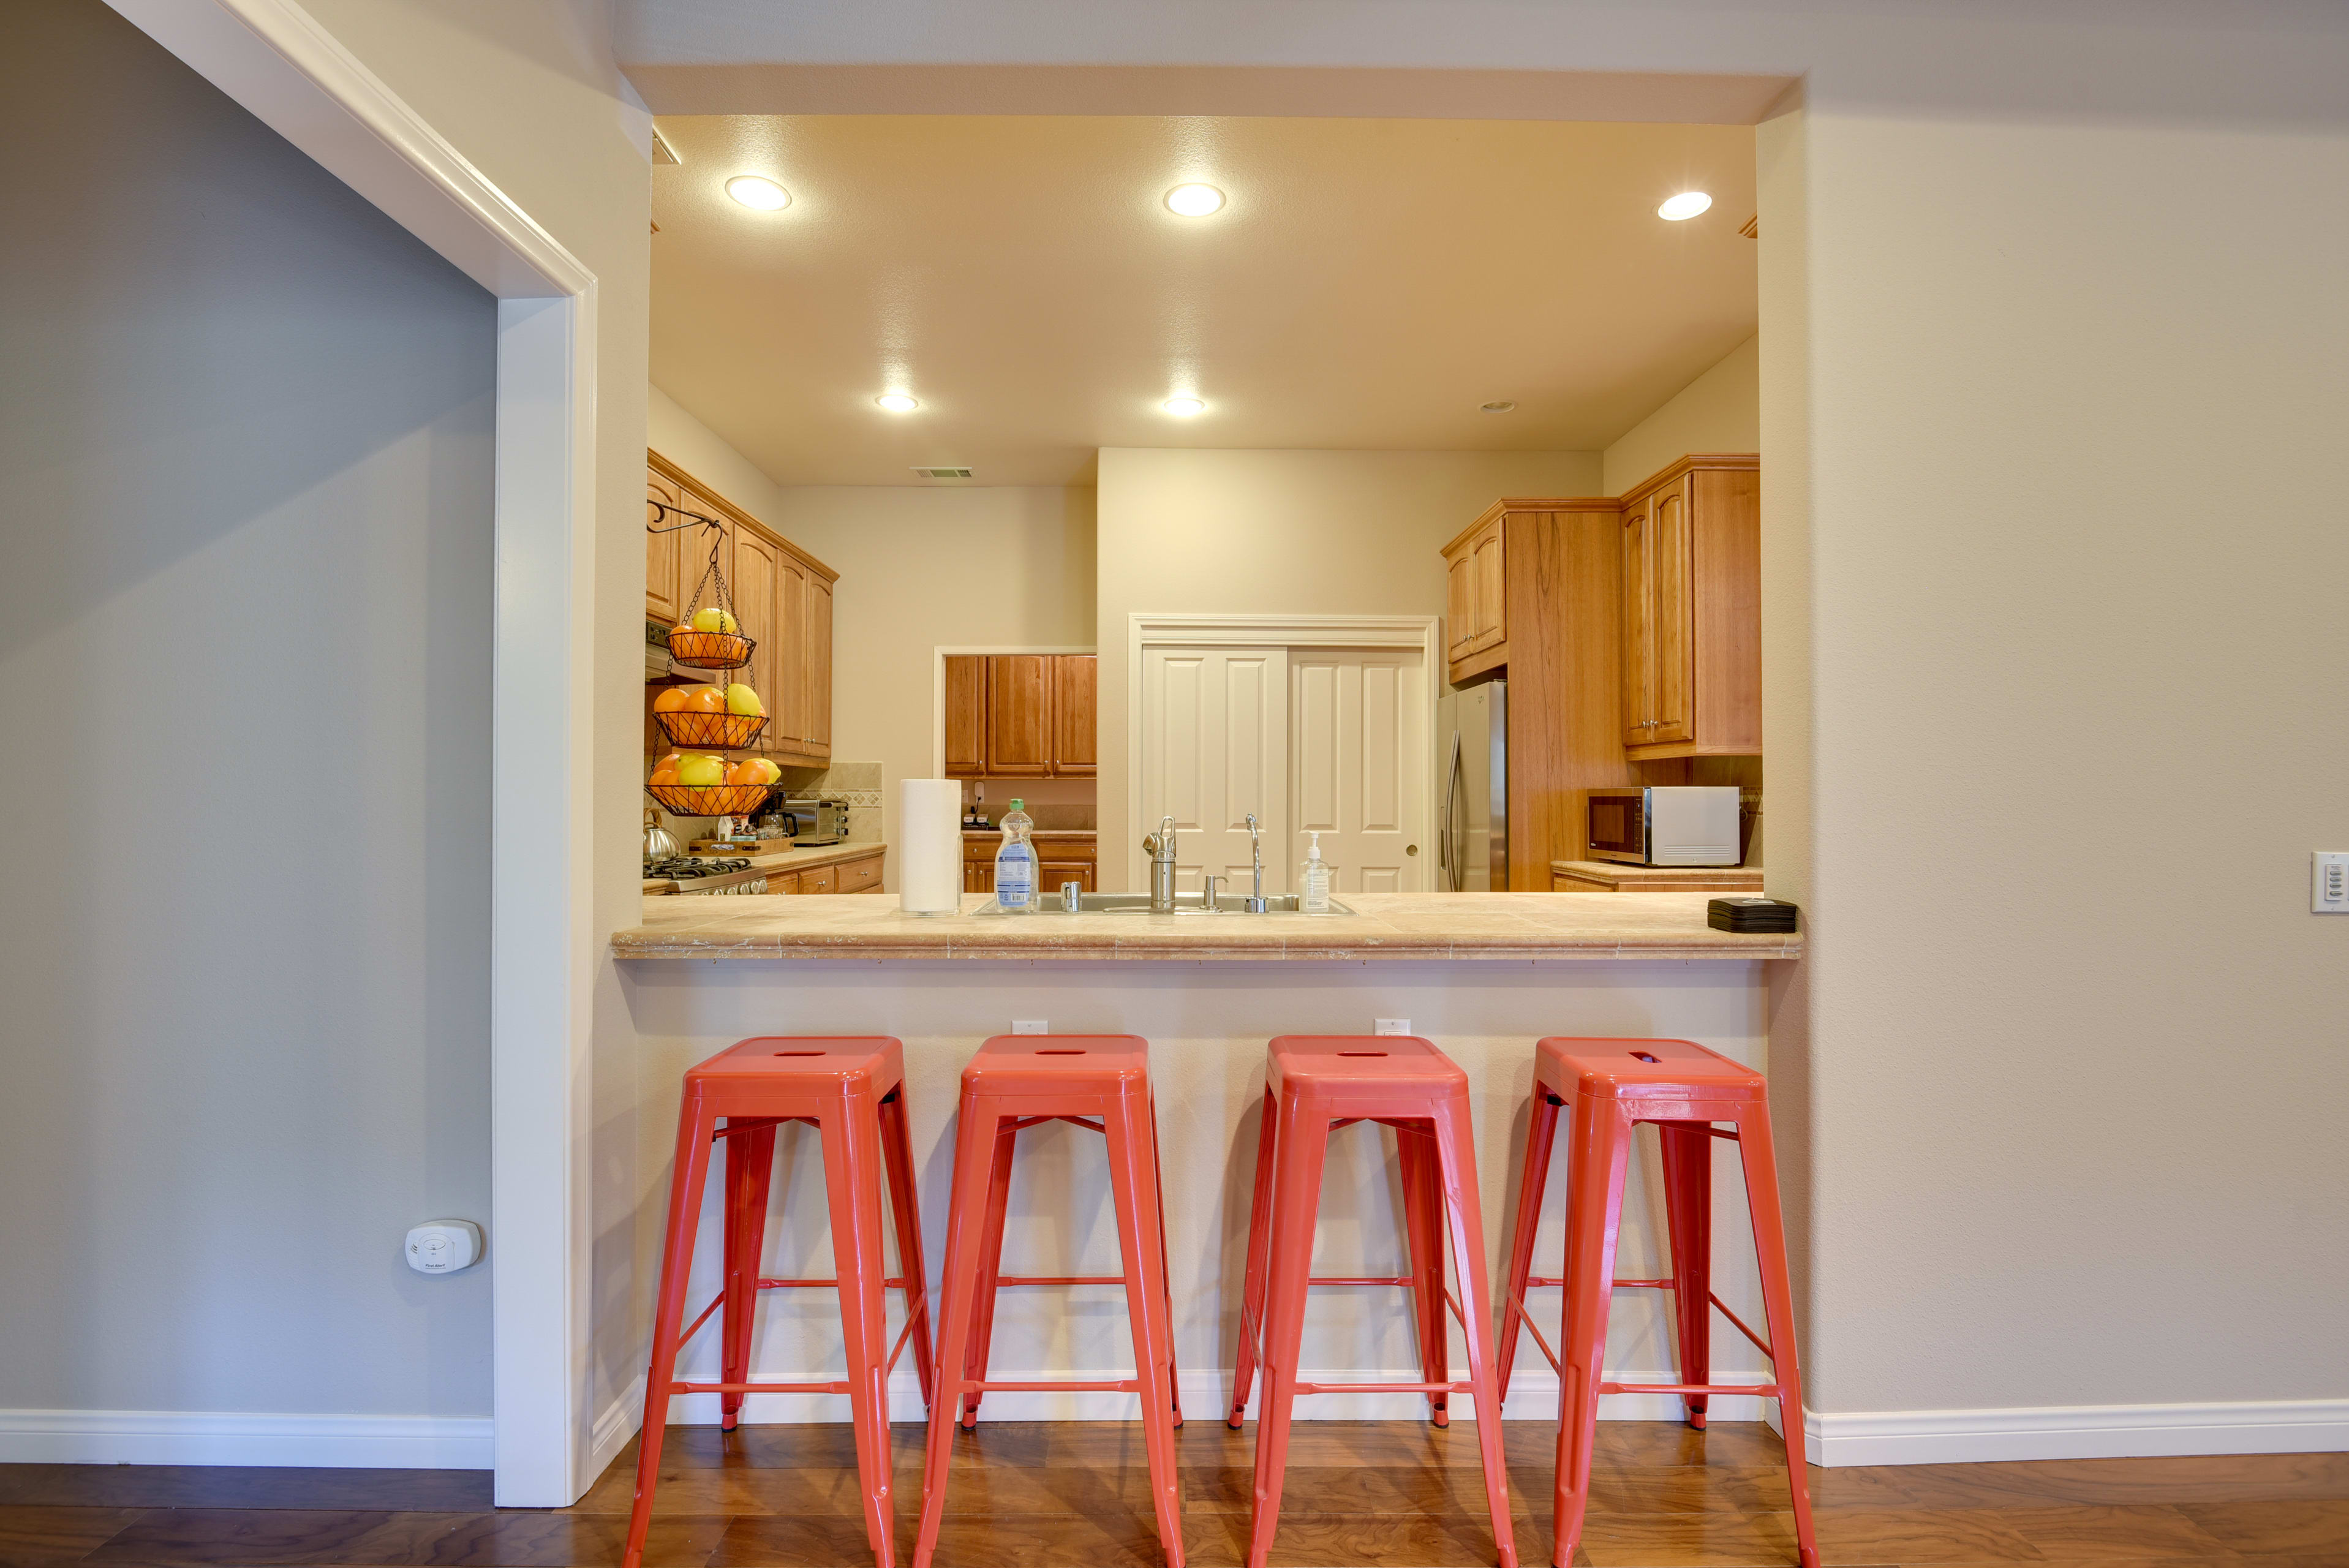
x: 1188, y: 904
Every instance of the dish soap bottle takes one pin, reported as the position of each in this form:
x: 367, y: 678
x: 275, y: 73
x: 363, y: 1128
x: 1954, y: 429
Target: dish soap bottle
x: 1015, y: 864
x: 1313, y: 881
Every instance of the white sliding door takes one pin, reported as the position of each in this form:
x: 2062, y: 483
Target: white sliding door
x: 1215, y: 748
x: 1358, y: 749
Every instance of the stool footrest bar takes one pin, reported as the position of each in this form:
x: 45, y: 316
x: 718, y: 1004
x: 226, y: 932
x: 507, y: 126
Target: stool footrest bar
x: 697, y: 1322
x: 1685, y: 1388
x: 1739, y: 1322
x: 1116, y: 1385
x: 813, y: 1283
x: 1362, y: 1279
x: 1060, y: 1279
x: 758, y: 1387
x: 1386, y: 1388
x: 1518, y: 1306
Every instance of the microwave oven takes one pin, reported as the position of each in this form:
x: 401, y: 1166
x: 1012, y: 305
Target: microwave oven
x: 1664, y: 825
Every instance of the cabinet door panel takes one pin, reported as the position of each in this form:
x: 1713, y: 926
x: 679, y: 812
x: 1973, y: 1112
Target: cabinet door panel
x: 1460, y: 603
x: 1492, y: 618
x: 1075, y: 715
x: 1671, y: 693
x: 1019, y: 715
x: 1052, y: 874
x: 661, y: 603
x: 1639, y: 622
x: 790, y: 703
x: 817, y: 656
x: 752, y: 580
x: 965, y: 716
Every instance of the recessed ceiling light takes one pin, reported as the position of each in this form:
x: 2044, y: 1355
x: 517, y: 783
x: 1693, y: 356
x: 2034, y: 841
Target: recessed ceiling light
x: 1687, y: 204
x: 1498, y: 406
x: 1195, y: 200
x: 1184, y: 408
x: 897, y: 402
x: 752, y: 191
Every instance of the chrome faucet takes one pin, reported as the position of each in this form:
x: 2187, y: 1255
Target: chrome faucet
x: 1161, y: 846
x: 1256, y: 904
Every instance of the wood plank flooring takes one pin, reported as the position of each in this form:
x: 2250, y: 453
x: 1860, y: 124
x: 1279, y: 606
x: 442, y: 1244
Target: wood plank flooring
x: 1073, y: 1495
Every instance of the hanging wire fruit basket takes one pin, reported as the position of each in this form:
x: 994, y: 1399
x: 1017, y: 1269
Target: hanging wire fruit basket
x: 712, y: 800
x: 705, y: 731
x: 723, y: 645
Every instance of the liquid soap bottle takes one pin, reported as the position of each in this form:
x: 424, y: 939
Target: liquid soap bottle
x: 1015, y: 864
x: 1313, y: 879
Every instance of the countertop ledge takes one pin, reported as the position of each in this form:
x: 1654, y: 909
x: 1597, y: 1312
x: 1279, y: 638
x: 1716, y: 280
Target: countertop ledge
x: 1408, y: 927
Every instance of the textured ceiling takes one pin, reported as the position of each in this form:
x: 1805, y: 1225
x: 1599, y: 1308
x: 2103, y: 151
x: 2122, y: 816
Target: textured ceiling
x: 1370, y: 284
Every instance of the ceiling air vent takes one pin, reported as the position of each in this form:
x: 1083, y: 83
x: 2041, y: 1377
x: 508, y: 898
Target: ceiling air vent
x: 1753, y: 227
x: 662, y: 151
x: 943, y: 473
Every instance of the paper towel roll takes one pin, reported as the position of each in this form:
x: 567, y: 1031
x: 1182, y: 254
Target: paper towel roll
x: 929, y: 846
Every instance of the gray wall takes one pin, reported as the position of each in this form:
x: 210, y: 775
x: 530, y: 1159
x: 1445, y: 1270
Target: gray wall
x: 245, y: 470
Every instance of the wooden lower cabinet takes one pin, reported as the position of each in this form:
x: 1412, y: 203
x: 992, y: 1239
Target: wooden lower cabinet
x: 862, y: 875
x: 1060, y: 857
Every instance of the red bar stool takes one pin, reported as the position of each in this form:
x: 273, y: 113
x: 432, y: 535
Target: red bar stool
x: 1314, y: 1084
x: 851, y: 1091
x: 1101, y: 1082
x: 1610, y: 1085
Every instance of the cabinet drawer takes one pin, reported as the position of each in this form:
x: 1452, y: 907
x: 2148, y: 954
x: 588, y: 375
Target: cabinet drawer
x: 859, y: 875
x: 782, y: 882
x: 820, y: 878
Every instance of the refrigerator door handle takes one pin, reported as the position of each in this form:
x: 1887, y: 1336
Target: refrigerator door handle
x: 1448, y: 852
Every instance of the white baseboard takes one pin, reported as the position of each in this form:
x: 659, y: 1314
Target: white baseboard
x: 239, y: 1438
x: 2074, y: 1432
x: 614, y: 1428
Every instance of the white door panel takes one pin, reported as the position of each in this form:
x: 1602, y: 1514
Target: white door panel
x: 1214, y: 728
x: 1358, y: 742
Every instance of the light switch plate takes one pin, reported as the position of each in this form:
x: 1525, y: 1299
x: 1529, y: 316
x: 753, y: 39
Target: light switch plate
x: 1031, y: 1027
x: 1391, y: 1025
x: 2330, y: 892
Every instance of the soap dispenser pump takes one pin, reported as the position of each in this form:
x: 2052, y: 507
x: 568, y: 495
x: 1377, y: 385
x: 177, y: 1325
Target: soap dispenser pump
x: 1313, y: 880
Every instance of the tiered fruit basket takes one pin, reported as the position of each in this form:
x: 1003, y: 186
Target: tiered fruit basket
x: 708, y: 639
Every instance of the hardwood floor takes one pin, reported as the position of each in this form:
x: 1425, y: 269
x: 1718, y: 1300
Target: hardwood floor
x: 1071, y: 1495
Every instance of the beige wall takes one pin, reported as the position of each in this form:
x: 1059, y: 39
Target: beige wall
x: 924, y: 569
x: 701, y: 452
x: 244, y: 599
x: 1282, y: 532
x: 1720, y: 411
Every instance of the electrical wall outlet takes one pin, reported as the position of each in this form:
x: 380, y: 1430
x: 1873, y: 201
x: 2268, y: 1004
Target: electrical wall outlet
x: 1031, y: 1027
x: 2330, y: 894
x: 1391, y: 1025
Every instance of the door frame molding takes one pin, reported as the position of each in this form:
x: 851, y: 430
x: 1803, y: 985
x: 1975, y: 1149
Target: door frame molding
x: 278, y: 63
x: 1165, y: 630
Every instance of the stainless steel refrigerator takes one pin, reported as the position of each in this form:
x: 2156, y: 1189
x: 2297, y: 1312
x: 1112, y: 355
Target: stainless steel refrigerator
x: 1473, y: 833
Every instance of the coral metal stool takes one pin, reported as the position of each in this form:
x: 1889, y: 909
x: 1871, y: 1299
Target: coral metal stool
x: 1314, y: 1084
x: 1101, y: 1082
x: 851, y: 1091
x: 1609, y: 1086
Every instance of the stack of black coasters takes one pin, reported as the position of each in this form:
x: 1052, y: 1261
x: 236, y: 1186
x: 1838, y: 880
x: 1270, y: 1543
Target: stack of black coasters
x: 1750, y: 914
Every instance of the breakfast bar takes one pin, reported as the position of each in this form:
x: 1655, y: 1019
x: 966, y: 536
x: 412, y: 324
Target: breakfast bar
x: 1481, y: 975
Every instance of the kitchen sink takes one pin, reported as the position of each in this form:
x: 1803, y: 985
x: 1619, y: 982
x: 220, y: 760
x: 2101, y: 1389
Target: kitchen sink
x: 1188, y: 904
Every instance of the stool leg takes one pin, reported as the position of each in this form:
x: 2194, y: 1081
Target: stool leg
x: 852, y: 1180
x: 957, y: 1297
x: 1541, y: 1136
x: 1761, y: 1162
x: 1594, y: 1211
x: 1455, y: 1151
x: 1259, y: 1248
x: 692, y: 1168
x: 990, y: 1263
x: 1688, y: 1211
x: 906, y: 1214
x: 1173, y: 1372
x: 1423, y: 1225
x: 1134, y: 1186
x: 1300, y: 1147
x: 750, y: 1176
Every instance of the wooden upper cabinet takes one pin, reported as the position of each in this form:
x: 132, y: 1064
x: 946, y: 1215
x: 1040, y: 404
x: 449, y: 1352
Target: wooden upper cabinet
x: 1020, y: 716
x: 1076, y: 715
x: 965, y: 698
x: 1693, y: 611
x: 782, y: 594
x: 661, y: 603
x: 1477, y: 594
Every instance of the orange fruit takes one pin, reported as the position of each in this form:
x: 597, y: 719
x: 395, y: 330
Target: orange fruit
x: 664, y: 772
x: 750, y: 771
x: 670, y: 699
x: 705, y: 699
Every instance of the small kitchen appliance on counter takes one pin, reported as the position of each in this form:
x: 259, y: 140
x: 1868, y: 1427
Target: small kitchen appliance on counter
x: 816, y: 822
x: 1665, y: 825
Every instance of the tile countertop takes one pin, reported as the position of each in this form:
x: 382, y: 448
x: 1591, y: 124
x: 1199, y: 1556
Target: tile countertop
x: 794, y: 859
x: 1393, y: 926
